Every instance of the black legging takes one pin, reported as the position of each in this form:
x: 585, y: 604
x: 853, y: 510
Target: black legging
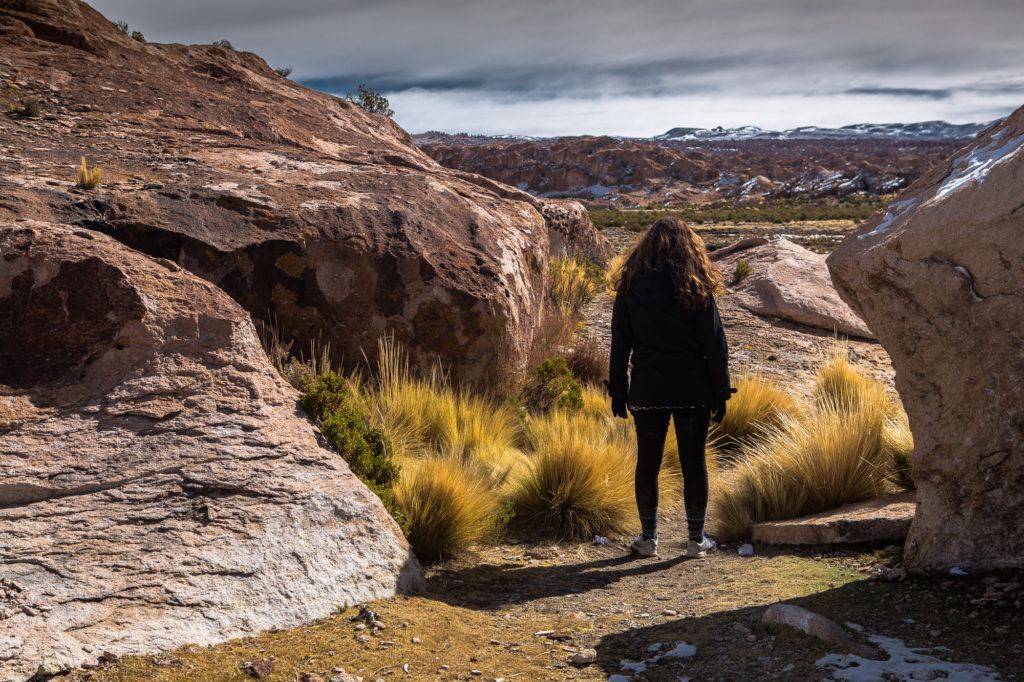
x: 691, y: 426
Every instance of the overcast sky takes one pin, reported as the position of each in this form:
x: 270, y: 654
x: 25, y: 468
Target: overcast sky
x: 639, y: 67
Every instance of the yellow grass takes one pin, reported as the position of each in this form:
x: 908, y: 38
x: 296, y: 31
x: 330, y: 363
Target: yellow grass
x: 448, y: 504
x: 614, y: 272
x: 758, y: 404
x: 840, y: 451
x: 88, y: 178
x: 573, y: 283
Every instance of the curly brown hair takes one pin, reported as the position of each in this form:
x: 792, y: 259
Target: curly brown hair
x: 671, y: 246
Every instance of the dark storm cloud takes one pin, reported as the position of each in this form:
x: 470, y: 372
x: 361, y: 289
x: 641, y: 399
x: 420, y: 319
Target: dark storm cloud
x: 876, y: 51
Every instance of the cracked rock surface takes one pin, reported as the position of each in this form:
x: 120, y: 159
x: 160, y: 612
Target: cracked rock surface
x: 159, y: 485
x: 939, y: 277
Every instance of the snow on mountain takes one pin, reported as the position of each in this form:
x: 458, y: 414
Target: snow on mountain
x: 925, y: 130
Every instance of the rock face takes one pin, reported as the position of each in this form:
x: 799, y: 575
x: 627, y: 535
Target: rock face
x: 789, y: 282
x: 159, y: 486
x: 940, y: 278
x: 572, y: 233
x: 309, y: 212
x: 884, y: 520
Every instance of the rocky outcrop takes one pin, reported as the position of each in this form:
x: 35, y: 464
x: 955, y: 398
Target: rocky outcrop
x: 572, y: 233
x: 638, y: 172
x: 788, y: 282
x: 884, y: 520
x: 939, y: 276
x: 159, y: 486
x: 308, y: 211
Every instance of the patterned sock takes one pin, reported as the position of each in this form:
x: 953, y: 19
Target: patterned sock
x: 695, y: 519
x: 649, y: 523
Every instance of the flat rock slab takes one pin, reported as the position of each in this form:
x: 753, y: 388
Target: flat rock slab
x: 884, y: 519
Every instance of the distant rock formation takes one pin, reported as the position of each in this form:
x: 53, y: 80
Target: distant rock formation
x: 789, y: 282
x: 939, y: 276
x: 159, y: 486
x: 309, y: 212
x: 618, y: 171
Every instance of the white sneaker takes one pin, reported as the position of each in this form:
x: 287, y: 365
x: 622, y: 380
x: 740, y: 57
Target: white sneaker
x: 644, y: 547
x: 695, y: 550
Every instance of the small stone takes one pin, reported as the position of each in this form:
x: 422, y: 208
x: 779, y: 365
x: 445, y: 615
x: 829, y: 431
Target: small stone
x: 415, y: 640
x: 29, y: 611
x: 475, y: 673
x: 259, y: 669
x: 494, y: 642
x: 311, y: 677
x: 341, y: 676
x: 109, y: 657
x: 670, y: 612
x: 746, y: 550
x: 584, y: 657
x: 378, y: 624
x: 362, y: 638
x: 360, y: 626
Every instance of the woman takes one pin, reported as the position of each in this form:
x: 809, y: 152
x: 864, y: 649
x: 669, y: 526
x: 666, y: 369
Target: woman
x: 666, y: 321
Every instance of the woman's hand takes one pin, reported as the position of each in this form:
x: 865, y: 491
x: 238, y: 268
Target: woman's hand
x: 718, y: 413
x: 619, y: 408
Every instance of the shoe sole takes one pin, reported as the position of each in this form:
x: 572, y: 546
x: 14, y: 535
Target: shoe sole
x: 636, y: 551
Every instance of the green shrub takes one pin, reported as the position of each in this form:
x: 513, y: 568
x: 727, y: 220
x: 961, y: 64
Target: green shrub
x: 741, y: 271
x: 551, y: 385
x: 122, y: 26
x: 137, y: 35
x: 283, y: 71
x: 330, y: 400
x: 371, y: 101
x: 225, y: 43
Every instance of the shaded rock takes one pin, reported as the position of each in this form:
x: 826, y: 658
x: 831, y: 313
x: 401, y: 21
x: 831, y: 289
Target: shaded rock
x: 789, y: 282
x: 815, y: 625
x: 134, y: 398
x: 572, y: 233
x: 308, y: 211
x: 938, y: 276
x: 879, y: 521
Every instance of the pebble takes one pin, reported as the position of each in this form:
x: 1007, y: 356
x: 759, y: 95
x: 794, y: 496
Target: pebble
x: 670, y: 612
x: 475, y: 673
x: 746, y: 550
x: 415, y: 640
x: 583, y: 657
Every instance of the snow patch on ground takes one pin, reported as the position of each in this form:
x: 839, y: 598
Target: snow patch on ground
x: 904, y: 664
x: 680, y: 650
x: 973, y: 167
x: 894, y: 212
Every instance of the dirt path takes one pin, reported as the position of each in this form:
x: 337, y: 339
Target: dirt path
x: 483, y: 614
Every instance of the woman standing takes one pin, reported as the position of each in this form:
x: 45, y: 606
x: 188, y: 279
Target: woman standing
x: 665, y: 321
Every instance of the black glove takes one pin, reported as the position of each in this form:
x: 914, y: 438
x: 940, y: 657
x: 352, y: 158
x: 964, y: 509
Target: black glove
x: 718, y: 411
x: 619, y: 408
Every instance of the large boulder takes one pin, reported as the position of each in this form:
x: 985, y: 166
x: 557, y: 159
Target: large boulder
x: 788, y: 282
x: 571, y: 232
x: 939, y: 276
x: 159, y: 485
x: 311, y: 213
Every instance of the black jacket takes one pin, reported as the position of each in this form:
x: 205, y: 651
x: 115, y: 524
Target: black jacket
x: 680, y: 357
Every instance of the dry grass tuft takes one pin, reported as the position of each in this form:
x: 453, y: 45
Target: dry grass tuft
x: 758, y: 404
x: 573, y: 283
x: 88, y: 178
x: 448, y: 505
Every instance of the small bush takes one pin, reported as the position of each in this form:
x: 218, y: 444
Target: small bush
x: 758, y: 404
x: 899, y: 443
x: 587, y: 361
x: 741, y: 271
x: 447, y: 506
x: 122, y: 26
x: 283, y: 71
x: 330, y: 400
x: 614, y: 272
x: 371, y: 101
x: 137, y: 35
x: 551, y: 385
x: 88, y: 178
x: 26, y: 108
x: 225, y: 43
x: 839, y: 383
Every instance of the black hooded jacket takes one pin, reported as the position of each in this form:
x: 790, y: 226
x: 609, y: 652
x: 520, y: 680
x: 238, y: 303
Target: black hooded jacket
x: 679, y: 354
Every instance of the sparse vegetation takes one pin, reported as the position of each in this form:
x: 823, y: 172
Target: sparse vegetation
x: 573, y: 282
x: 225, y: 43
x: 371, y: 101
x: 122, y: 26
x: 758, y: 405
x: 137, y: 35
x: 283, y: 71
x: 551, y: 385
x: 741, y: 271
x: 28, y: 107
x: 88, y: 178
x: 777, y: 212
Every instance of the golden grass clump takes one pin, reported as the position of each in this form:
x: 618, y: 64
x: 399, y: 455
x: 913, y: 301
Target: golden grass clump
x: 614, y: 272
x: 578, y: 482
x: 899, y: 443
x: 448, y: 505
x: 758, y: 404
x: 88, y: 178
x: 808, y: 464
x: 573, y: 283
x: 838, y: 382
